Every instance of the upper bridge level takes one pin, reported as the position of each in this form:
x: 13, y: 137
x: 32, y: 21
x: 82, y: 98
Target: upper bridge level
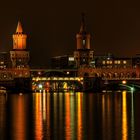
x: 12, y: 73
x: 110, y: 73
x: 54, y: 72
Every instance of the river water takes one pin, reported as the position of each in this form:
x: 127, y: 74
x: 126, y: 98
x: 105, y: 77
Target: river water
x: 70, y: 116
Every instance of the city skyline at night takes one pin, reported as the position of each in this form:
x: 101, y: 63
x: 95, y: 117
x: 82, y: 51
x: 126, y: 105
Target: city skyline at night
x: 52, y: 27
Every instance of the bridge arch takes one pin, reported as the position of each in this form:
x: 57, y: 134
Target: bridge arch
x: 54, y: 74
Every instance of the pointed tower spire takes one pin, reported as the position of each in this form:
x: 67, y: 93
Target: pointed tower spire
x: 19, y: 38
x: 19, y: 28
x: 83, y: 27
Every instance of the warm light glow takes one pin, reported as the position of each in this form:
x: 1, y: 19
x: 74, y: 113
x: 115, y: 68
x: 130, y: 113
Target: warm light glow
x: 124, y: 116
x: 103, y: 62
x: 40, y: 86
x: 38, y: 116
x: 110, y: 62
x: 124, y: 82
x: 68, y: 72
x: 79, y: 115
x: 79, y: 79
x: 19, y: 39
x: 124, y: 62
x: 71, y: 58
x: 65, y: 86
x: 119, y: 62
x: 19, y: 117
x: 67, y: 118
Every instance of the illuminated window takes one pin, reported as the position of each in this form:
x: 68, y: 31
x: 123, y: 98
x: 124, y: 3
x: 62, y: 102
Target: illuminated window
x: 2, y: 62
x: 68, y: 72
x: 119, y: 62
x: 71, y: 58
x: 84, y: 42
x: 108, y: 62
x: 124, y: 62
x: 103, y: 62
x: 115, y: 62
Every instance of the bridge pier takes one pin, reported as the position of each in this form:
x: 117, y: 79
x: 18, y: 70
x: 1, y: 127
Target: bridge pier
x: 92, y: 84
x: 23, y: 85
x: 17, y: 85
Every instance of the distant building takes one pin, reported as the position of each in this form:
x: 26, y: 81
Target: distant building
x: 63, y: 62
x: 19, y: 55
x: 86, y: 62
x: 83, y: 54
x: 110, y: 61
x: 4, y: 60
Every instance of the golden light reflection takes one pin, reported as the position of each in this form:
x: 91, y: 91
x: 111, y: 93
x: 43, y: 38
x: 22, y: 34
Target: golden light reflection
x: 44, y: 105
x: 38, y: 116
x: 79, y: 116
x: 124, y: 116
x: 72, y: 116
x: 19, y: 118
x: 67, y: 117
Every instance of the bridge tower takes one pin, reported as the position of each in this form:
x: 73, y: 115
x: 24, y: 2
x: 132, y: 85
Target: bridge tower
x: 83, y: 54
x: 19, y: 55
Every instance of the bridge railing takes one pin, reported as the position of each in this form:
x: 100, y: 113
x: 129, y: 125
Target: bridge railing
x: 57, y: 79
x: 127, y: 78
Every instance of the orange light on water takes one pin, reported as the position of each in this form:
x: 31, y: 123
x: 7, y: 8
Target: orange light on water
x: 68, y: 119
x: 124, y: 117
x: 79, y: 116
x: 38, y: 116
x: 124, y: 82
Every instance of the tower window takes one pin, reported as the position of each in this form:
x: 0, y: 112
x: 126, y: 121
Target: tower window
x: 84, y: 42
x: 124, y: 62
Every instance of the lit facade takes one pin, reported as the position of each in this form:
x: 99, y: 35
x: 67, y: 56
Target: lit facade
x: 83, y: 54
x: 104, y: 65
x: 4, y: 60
x: 19, y: 55
x: 14, y: 65
x: 63, y: 62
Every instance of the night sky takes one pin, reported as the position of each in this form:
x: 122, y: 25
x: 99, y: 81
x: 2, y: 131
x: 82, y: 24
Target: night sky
x: 51, y: 26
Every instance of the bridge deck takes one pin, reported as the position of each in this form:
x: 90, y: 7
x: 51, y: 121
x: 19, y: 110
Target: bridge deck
x: 57, y: 78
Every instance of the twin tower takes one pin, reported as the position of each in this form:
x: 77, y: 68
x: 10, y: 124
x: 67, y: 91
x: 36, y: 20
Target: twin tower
x: 83, y: 55
x: 19, y: 55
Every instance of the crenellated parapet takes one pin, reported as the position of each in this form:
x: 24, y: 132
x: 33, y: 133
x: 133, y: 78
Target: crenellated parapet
x: 110, y: 72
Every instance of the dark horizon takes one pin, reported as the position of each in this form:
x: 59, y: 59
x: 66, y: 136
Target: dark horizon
x: 51, y: 27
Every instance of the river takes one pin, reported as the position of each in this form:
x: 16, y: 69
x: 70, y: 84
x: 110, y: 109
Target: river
x: 109, y: 115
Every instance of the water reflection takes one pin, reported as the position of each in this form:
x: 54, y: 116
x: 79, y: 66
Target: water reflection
x: 38, y: 117
x: 69, y: 116
x: 16, y: 117
x: 124, y: 117
x: 79, y: 116
x: 2, y: 116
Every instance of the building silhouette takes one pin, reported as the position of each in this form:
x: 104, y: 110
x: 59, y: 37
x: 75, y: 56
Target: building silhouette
x: 19, y: 55
x: 83, y: 54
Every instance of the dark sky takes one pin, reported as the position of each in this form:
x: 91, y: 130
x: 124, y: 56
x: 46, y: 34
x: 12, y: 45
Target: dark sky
x: 51, y: 26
